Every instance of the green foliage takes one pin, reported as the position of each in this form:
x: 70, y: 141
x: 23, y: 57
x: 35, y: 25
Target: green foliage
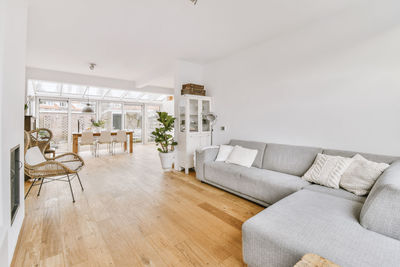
x: 99, y: 123
x: 162, y: 135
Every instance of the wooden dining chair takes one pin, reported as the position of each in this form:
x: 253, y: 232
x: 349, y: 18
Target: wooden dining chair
x: 105, y: 138
x: 120, y: 138
x: 88, y: 139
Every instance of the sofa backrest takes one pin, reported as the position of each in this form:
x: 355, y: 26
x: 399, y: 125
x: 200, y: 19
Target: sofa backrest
x: 381, y: 211
x: 294, y: 160
x: 372, y: 157
x: 252, y: 145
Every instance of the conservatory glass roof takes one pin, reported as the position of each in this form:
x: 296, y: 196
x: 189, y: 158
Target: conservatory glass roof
x: 52, y: 89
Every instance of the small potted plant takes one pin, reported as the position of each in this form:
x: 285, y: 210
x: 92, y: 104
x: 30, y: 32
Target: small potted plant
x: 97, y: 124
x: 164, y: 139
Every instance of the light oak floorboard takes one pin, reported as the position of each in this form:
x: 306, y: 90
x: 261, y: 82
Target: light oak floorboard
x: 132, y: 214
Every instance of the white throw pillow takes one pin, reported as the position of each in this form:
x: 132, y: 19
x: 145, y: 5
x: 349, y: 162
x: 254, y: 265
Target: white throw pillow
x: 242, y: 156
x: 224, y: 152
x: 34, y: 156
x: 361, y: 175
x: 327, y: 170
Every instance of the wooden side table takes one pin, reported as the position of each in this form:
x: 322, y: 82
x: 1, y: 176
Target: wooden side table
x: 313, y: 260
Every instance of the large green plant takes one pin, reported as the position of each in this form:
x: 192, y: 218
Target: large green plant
x: 162, y: 135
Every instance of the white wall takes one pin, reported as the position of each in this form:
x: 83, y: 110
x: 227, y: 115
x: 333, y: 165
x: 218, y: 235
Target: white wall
x: 12, y: 86
x: 185, y: 72
x: 334, y: 84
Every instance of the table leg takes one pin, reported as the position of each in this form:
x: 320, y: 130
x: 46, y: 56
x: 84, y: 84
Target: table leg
x: 125, y: 145
x: 130, y: 142
x: 75, y: 144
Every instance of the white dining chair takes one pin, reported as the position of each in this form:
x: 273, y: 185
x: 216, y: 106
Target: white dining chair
x: 120, y: 138
x: 87, y: 139
x: 105, y: 138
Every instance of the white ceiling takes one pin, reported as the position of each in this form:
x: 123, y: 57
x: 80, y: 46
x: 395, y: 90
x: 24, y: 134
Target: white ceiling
x: 140, y: 39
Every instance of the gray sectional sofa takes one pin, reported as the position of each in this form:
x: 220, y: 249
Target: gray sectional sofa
x: 303, y: 218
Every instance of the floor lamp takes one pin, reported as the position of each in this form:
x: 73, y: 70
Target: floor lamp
x: 212, y: 118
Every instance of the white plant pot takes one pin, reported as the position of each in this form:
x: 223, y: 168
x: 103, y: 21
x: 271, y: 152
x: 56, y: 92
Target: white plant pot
x: 167, y: 159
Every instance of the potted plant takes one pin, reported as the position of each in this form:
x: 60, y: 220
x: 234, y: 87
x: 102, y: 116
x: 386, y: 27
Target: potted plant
x: 164, y: 139
x: 98, y: 124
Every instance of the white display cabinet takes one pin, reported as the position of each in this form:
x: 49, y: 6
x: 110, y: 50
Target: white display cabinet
x: 194, y: 128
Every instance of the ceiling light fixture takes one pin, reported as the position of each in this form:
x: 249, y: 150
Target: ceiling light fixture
x: 92, y: 66
x: 193, y: 1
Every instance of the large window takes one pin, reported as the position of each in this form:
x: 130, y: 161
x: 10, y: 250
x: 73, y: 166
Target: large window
x: 81, y: 121
x: 53, y: 115
x: 133, y: 120
x: 152, y: 123
x: 111, y: 113
x: 59, y: 107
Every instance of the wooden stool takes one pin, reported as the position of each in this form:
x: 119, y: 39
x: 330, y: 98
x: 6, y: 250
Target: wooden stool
x: 312, y: 260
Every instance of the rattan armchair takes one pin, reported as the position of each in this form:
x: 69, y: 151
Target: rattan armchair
x: 64, y: 167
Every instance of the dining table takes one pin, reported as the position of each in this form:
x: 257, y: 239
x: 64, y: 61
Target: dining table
x: 77, y: 135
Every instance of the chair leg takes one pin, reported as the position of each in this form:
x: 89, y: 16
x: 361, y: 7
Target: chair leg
x: 79, y: 179
x: 40, y: 187
x: 29, y: 190
x: 70, y: 187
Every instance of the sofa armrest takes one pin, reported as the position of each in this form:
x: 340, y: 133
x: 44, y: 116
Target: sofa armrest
x: 381, y: 211
x: 203, y: 156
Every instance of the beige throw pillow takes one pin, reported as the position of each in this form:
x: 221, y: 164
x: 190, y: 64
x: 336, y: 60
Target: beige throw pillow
x: 361, y: 175
x: 327, y: 170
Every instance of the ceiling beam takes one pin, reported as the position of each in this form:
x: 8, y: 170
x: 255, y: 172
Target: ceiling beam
x: 153, y: 75
x: 78, y: 79
x: 156, y: 90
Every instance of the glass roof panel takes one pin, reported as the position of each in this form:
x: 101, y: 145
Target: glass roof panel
x: 145, y: 97
x: 115, y: 93
x: 45, y: 88
x: 49, y: 87
x: 133, y: 94
x: 96, y: 91
x: 71, y: 89
x: 161, y: 98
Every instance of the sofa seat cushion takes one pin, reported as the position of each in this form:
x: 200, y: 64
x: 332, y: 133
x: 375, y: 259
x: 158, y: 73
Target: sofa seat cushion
x: 335, y: 192
x: 267, y: 186
x: 314, y: 222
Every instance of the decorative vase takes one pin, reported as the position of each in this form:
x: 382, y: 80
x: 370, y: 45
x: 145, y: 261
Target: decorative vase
x: 167, y: 159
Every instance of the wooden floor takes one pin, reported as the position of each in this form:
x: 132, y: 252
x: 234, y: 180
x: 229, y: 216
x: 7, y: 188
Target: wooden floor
x: 132, y: 214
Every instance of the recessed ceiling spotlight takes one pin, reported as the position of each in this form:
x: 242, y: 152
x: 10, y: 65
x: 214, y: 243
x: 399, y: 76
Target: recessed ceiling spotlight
x: 193, y: 1
x: 92, y: 66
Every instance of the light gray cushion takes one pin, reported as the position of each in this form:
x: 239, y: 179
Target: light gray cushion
x: 350, y: 154
x: 335, y: 192
x: 259, y: 146
x: 34, y: 156
x: 313, y: 222
x: 203, y: 156
x: 264, y: 185
x: 381, y: 210
x: 294, y: 160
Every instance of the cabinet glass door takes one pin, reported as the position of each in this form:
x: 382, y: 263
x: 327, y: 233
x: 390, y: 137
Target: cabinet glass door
x: 194, y: 115
x: 205, y: 109
x: 182, y: 117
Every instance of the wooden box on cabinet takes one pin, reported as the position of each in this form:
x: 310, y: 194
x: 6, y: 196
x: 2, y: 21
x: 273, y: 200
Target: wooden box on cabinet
x: 193, y: 89
x: 194, y: 129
